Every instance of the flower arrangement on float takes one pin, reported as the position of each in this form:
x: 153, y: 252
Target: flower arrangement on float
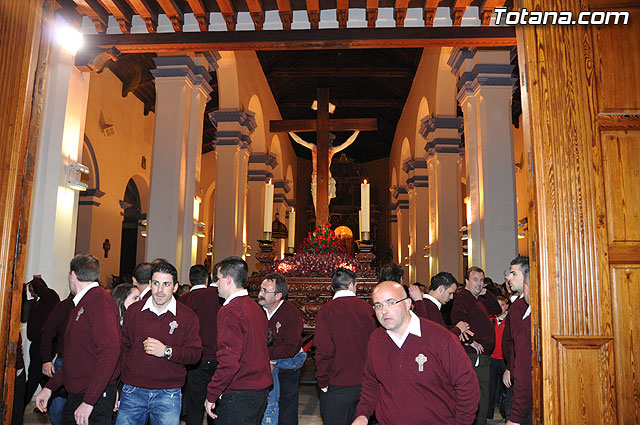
x: 319, y: 254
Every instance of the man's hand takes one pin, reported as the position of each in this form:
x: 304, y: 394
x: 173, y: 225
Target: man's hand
x: 47, y: 369
x: 415, y: 293
x: 325, y: 389
x: 42, y: 398
x: 511, y: 423
x: 478, y: 347
x: 272, y: 364
x: 153, y: 347
x: 360, y: 420
x: 506, y: 378
x: 81, y: 415
x: 208, y: 407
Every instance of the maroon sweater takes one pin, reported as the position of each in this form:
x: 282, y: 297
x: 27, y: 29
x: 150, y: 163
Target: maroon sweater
x: 521, y: 373
x: 92, y: 347
x: 476, y: 313
x: 143, y: 370
x: 243, y: 359
x: 205, y: 303
x: 286, y: 325
x: 517, y: 309
x: 445, y: 392
x: 343, y: 327
x: 427, y: 309
x: 53, y: 330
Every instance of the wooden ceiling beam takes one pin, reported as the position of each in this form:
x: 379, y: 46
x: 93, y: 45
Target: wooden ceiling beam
x: 201, y: 12
x: 228, y: 13
x: 147, y: 12
x: 342, y: 73
x: 313, y: 12
x: 351, y: 38
x: 348, y: 103
x: 121, y: 12
x: 257, y: 13
x: 94, y: 10
x: 372, y: 13
x: 175, y: 15
x: 487, y: 10
x: 429, y: 13
x: 400, y: 12
x: 342, y: 13
x: 344, y: 124
x: 458, y: 7
x: 286, y: 15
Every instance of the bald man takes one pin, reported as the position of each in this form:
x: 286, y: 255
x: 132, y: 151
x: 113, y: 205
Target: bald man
x: 416, y: 370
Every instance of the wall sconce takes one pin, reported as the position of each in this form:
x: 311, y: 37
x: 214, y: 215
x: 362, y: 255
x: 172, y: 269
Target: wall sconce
x: 74, y: 171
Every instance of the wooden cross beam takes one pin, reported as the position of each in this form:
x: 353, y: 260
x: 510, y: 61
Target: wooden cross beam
x: 322, y: 125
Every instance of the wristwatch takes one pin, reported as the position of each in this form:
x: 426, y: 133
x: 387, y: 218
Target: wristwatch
x: 167, y: 352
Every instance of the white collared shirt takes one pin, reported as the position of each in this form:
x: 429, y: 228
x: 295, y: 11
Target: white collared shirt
x: 240, y: 293
x: 194, y: 287
x: 270, y: 315
x: 514, y: 298
x: 143, y: 293
x: 413, y: 328
x: 171, y: 307
x: 214, y: 285
x: 527, y: 313
x: 343, y: 293
x: 79, y: 295
x: 434, y: 300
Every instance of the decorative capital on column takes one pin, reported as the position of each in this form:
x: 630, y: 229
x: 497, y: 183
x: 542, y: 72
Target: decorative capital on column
x: 400, y: 197
x: 440, y: 138
x: 417, y: 173
x: 195, y: 70
x: 430, y: 124
x: 244, y: 118
x: 268, y: 159
x: 96, y: 60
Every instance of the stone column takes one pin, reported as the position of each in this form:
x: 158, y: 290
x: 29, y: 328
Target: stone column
x: 182, y: 91
x: 418, y: 191
x: 261, y: 166
x: 232, y: 151
x: 485, y: 88
x: 402, y: 212
x: 442, y: 157
x: 54, y: 208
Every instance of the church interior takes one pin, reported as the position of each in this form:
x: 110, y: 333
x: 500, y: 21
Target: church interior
x: 165, y: 135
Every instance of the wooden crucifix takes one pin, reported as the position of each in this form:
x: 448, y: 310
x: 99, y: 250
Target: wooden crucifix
x: 322, y: 125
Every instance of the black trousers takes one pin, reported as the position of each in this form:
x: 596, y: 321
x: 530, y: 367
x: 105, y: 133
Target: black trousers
x: 195, y: 391
x: 339, y: 405
x: 241, y: 407
x: 35, y: 376
x: 18, y: 396
x: 102, y: 413
x: 288, y: 403
x: 496, y: 387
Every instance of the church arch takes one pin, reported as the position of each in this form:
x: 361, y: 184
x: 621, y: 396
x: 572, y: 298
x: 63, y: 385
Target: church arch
x: 421, y: 142
x: 405, y: 156
x: 259, y: 136
x: 276, y: 149
x: 129, y: 237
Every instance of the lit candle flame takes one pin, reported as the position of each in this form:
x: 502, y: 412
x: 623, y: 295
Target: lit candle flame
x: 365, y: 181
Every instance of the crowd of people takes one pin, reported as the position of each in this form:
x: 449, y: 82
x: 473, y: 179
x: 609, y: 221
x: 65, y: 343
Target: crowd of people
x: 446, y: 353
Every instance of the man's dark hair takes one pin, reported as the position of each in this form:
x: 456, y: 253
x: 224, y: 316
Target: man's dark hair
x: 120, y: 294
x: 281, y: 283
x: 159, y: 260
x: 237, y: 268
x: 472, y: 269
x: 142, y: 273
x: 445, y: 279
x: 342, y: 278
x: 391, y: 272
x: 214, y: 273
x: 86, y: 268
x: 523, y: 262
x: 198, y: 275
x: 165, y: 268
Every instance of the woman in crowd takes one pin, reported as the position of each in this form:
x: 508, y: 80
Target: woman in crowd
x: 125, y: 295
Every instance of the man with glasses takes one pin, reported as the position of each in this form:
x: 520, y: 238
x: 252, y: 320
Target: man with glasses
x: 159, y: 338
x: 416, y: 371
x: 285, y: 324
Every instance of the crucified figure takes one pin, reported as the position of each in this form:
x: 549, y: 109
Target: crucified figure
x: 314, y: 159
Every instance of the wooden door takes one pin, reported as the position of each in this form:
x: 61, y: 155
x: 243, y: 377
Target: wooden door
x: 581, y: 97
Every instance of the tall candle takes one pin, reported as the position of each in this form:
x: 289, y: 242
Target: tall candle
x: 359, y: 224
x: 364, y: 205
x: 268, y: 206
x: 292, y: 228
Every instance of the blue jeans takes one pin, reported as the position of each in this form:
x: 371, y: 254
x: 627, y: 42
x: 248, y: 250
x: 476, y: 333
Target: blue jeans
x: 161, y: 407
x: 272, y: 411
x: 57, y: 404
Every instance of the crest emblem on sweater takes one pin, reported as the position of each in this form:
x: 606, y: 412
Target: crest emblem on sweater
x: 278, y: 326
x: 421, y: 360
x: 79, y: 313
x: 173, y: 325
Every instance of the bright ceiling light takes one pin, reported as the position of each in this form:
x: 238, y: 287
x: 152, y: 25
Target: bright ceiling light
x: 68, y: 38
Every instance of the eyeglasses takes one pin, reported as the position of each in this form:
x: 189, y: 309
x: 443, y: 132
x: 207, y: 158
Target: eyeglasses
x: 390, y: 303
x: 264, y: 291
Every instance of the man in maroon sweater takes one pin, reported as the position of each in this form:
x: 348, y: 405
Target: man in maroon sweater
x: 416, y: 371
x: 159, y: 337
x: 204, y: 301
x: 519, y: 326
x: 91, y: 347
x: 240, y: 385
x: 442, y: 289
x: 141, y: 278
x: 474, y: 304
x: 284, y: 321
x: 343, y: 327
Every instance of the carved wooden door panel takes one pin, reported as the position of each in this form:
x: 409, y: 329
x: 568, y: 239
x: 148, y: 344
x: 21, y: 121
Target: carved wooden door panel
x: 581, y: 101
